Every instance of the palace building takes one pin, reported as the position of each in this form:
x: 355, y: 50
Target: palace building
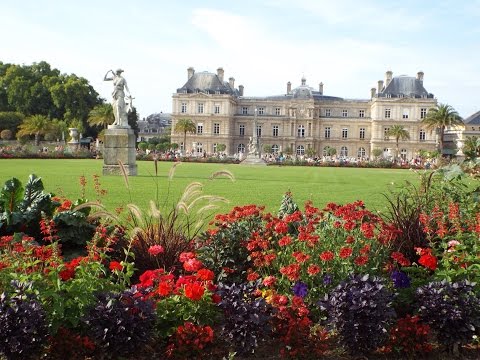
x: 303, y: 117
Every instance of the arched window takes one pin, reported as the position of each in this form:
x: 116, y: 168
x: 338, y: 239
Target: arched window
x: 301, y: 131
x: 343, y: 151
x: 241, y: 148
x: 275, y: 149
x: 300, y: 150
x: 361, y: 152
x: 403, y: 154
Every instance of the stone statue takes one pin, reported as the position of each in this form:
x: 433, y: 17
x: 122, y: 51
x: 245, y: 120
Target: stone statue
x: 118, y: 94
x: 252, y: 147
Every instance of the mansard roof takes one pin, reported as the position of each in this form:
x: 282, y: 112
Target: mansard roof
x: 473, y: 119
x: 405, y: 86
x: 208, y: 83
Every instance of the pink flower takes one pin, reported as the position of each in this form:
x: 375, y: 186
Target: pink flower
x: 154, y: 250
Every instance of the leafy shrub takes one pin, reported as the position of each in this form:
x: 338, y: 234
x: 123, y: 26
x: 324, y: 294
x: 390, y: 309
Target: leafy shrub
x: 360, y: 309
x: 23, y: 323
x: 245, y: 317
x: 451, y: 309
x: 223, y: 249
x: 189, y: 341
x: 120, y: 323
x: 6, y: 134
x: 410, y: 337
x: 66, y: 344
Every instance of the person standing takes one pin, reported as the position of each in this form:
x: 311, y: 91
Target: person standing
x: 118, y: 94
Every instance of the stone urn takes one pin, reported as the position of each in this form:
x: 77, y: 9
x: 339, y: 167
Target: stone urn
x: 73, y: 135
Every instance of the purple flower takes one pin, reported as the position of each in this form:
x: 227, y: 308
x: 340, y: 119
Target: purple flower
x: 300, y: 289
x: 400, y: 279
x: 327, y: 279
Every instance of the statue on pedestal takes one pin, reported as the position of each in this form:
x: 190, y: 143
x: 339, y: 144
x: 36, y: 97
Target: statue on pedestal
x: 118, y: 94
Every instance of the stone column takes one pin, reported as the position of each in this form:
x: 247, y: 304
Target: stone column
x: 119, y: 147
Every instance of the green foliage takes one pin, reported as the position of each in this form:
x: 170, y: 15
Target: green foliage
x: 6, y: 134
x: 288, y: 205
x: 10, y: 120
x: 101, y: 115
x: 221, y: 147
x: 439, y: 118
x: 142, y: 146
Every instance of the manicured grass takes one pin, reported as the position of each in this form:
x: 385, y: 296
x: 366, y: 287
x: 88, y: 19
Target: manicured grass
x: 253, y: 185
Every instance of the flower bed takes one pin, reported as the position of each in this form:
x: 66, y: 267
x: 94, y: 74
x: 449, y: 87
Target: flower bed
x: 334, y: 283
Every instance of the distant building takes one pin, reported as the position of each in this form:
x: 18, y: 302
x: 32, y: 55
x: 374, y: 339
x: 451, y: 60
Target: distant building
x: 303, y: 117
x: 155, y: 125
x: 455, y: 136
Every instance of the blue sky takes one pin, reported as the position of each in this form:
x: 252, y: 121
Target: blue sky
x: 346, y: 44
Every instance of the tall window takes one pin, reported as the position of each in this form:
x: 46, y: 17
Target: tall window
x: 385, y: 133
x: 200, y: 108
x: 244, y: 110
x: 362, y: 133
x: 261, y: 111
x: 327, y: 132
x: 301, y: 131
x: 199, y: 128
x: 361, y: 153
x: 344, y: 133
x: 199, y: 148
x: 300, y: 150
x: 241, y: 148
x: 216, y: 129
x: 328, y: 112
x: 403, y: 154
x: 242, y: 130
x: 216, y: 109
x: 344, y: 113
x: 259, y: 130
x: 275, y: 130
x: 423, y: 113
x: 184, y: 108
x: 405, y: 113
x: 388, y: 113
x: 277, y: 111
x: 343, y: 151
x: 275, y: 149
x: 361, y: 113
x: 422, y: 135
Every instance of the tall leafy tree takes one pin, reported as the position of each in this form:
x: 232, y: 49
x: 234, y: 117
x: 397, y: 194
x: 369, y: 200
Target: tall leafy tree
x: 185, y: 126
x: 11, y: 120
x: 101, y: 115
x: 133, y: 117
x: 35, y: 125
x: 439, y: 118
x: 399, y: 133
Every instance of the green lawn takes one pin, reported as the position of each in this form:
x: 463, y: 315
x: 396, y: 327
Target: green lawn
x: 257, y: 185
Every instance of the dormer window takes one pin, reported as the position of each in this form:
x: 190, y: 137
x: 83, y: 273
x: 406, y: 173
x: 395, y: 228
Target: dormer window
x: 388, y: 96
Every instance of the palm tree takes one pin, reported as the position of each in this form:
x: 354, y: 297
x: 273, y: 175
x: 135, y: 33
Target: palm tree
x: 439, y: 118
x: 399, y: 133
x: 101, y: 115
x: 184, y: 126
x: 35, y: 125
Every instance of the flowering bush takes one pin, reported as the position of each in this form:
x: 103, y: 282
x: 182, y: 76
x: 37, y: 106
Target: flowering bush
x: 410, y: 337
x: 120, y: 323
x: 245, y: 316
x: 23, y: 322
x: 189, y: 341
x: 360, y: 309
x: 451, y: 309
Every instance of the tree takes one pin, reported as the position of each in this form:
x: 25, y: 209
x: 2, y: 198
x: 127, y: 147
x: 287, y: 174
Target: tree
x: 471, y: 148
x: 58, y: 130
x: 101, y: 115
x: 221, y: 147
x: 310, y: 152
x: 35, y: 125
x: 399, y: 133
x: 133, y: 117
x: 377, y: 152
x: 184, y: 126
x: 439, y: 118
x: 267, y: 149
x: 331, y: 151
x: 11, y: 120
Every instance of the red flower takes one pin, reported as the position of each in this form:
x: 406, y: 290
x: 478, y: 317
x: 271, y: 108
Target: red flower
x: 216, y: 298
x: 313, y: 270
x: 115, y: 265
x: 269, y: 281
x: 361, y: 260
x: 67, y: 274
x: 165, y: 288
x: 154, y: 250
x: 184, y: 256
x: 205, y: 274
x: 194, y: 291
x: 400, y: 258
x: 292, y: 271
x: 350, y: 239
x: 345, y: 252
x: 192, y: 265
x: 284, y: 241
x: 327, y: 256
x: 281, y: 227
x: 300, y: 256
x: 428, y: 260
x: 252, y: 276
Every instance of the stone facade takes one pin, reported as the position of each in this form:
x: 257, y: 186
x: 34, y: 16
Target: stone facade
x: 303, y: 117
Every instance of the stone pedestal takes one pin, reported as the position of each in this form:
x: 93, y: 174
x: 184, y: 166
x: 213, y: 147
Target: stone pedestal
x: 253, y: 160
x: 119, y: 146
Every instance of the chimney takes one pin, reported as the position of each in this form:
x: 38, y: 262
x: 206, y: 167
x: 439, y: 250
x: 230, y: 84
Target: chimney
x: 380, y: 86
x: 190, y: 71
x: 373, y: 92
x: 231, y: 81
x: 304, y: 81
x: 240, y: 89
x: 289, y: 87
x: 420, y: 76
x: 220, y: 73
x: 388, y: 77
x: 320, y: 88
